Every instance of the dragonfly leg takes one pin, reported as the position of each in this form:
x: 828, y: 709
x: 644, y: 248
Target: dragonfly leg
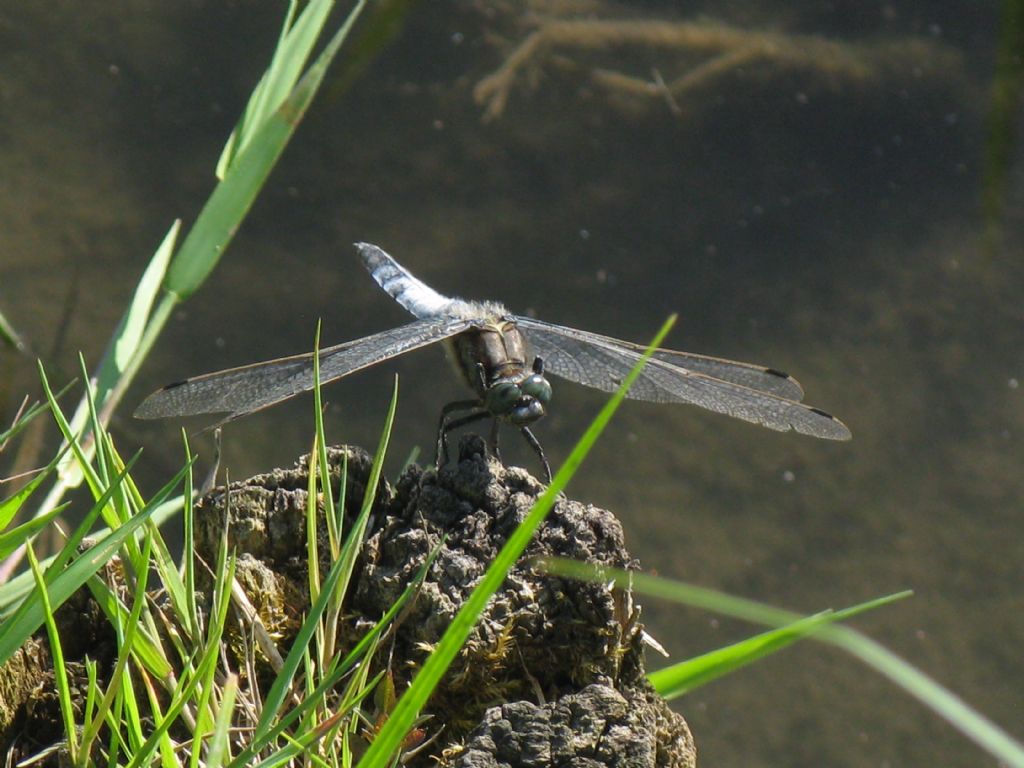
x: 535, y: 444
x: 448, y: 423
x: 493, y: 442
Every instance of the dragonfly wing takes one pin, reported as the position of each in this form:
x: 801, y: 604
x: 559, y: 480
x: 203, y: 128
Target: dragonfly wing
x: 602, y: 363
x: 239, y: 391
x: 770, y: 380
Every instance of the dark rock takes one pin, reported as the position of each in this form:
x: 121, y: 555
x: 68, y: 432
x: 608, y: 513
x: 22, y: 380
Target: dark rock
x: 553, y: 673
x: 598, y: 726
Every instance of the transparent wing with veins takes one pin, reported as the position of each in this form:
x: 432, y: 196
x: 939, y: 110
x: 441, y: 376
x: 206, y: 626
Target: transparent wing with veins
x: 239, y: 391
x: 753, y: 393
x: 749, y: 392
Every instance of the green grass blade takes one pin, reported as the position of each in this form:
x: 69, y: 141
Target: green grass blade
x: 678, y: 679
x: 312, y: 547
x: 10, y: 506
x: 279, y: 690
x: 17, y: 537
x: 317, y: 469
x: 330, y: 514
x: 91, y: 691
x: 203, y: 671
x: 100, y: 443
x: 354, y: 540
x: 60, y: 671
x: 231, y: 199
x: 130, y: 330
x: 686, y: 594
x: 83, y: 454
x: 204, y: 716
x: 218, y: 748
x: 389, y: 739
x: 947, y: 705
x: 16, y: 629
x: 675, y: 680
x: 189, y: 555
x: 141, y: 642
x: 69, y: 550
x: 93, y: 725
x: 339, y: 667
x: 300, y: 746
x: 124, y: 720
x: 10, y: 336
x: 180, y: 596
x: 223, y: 213
x: 28, y: 415
x: 295, y: 44
x: 971, y: 723
x: 14, y: 591
x: 122, y: 356
x: 17, y: 588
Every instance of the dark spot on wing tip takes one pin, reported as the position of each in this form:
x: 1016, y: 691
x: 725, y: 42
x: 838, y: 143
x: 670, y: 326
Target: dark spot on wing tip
x: 173, y: 385
x: 777, y: 372
x: 845, y: 433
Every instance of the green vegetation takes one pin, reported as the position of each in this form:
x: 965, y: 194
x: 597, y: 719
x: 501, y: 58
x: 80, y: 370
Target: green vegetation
x: 168, y: 698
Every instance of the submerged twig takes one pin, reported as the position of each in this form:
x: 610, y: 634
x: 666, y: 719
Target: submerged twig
x: 720, y: 48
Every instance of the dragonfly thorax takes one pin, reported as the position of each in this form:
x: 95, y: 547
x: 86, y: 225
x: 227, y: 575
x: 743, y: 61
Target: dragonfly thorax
x: 493, y: 359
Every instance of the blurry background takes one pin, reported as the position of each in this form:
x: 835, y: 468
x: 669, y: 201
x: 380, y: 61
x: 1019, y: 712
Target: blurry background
x: 831, y: 188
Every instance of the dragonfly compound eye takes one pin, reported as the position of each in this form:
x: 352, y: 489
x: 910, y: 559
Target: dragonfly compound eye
x: 536, y: 386
x: 502, y: 397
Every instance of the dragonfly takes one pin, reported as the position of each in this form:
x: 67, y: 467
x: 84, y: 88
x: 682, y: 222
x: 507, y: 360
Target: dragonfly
x: 505, y: 360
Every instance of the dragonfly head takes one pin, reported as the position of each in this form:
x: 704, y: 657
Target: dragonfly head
x: 519, y: 401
